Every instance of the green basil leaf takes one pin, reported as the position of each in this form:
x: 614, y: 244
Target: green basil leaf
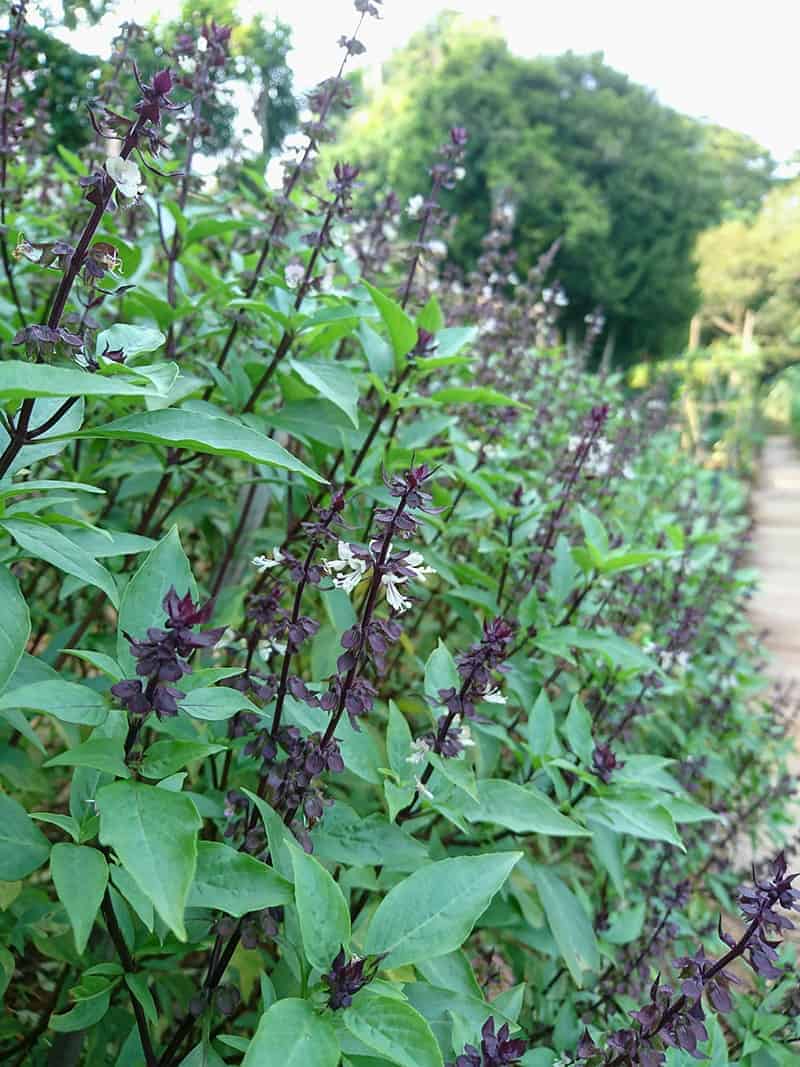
x: 164, y: 758
x: 104, y: 663
x: 216, y: 703
x: 578, y: 731
x: 154, y: 833
x: 234, y: 882
x: 322, y: 909
x: 440, y: 673
x: 133, y: 340
x: 200, y: 432
x: 23, y: 846
x: 395, y: 1030
x: 570, y: 925
x: 85, y: 1014
x: 331, y: 380
x: 66, y: 701
x: 16, y: 628
x: 522, y: 809
x: 19, y: 380
x: 103, y: 753
x: 343, y: 836
x: 80, y: 875
x: 163, y: 567
x: 634, y: 815
x: 45, y: 542
x: 291, y: 1034
x: 402, y: 331
x: 433, y: 911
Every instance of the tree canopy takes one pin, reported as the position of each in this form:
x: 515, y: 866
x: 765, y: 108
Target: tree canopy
x: 586, y: 155
x: 749, y: 271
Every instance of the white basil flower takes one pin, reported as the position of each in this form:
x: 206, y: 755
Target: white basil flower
x: 419, y: 751
x: 391, y: 583
x: 422, y: 789
x: 125, y: 175
x: 493, y: 696
x: 265, y: 563
x: 294, y: 274
x: 348, y: 570
x: 415, y: 205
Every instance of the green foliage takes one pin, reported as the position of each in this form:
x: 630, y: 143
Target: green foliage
x: 63, y: 81
x: 292, y: 1034
x: 432, y: 911
x: 154, y: 834
x: 583, y: 154
x: 80, y: 875
x: 746, y: 170
x: 393, y: 1030
x: 321, y: 909
x: 748, y: 278
x: 375, y: 682
x: 235, y: 883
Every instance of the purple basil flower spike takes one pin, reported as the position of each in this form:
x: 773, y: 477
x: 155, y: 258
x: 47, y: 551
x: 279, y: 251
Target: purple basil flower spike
x: 345, y: 978
x: 497, y: 1049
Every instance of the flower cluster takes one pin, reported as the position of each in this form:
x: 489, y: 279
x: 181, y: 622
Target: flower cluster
x: 347, y: 977
x: 497, y: 1049
x: 576, y: 462
x: 290, y: 784
x: 162, y: 657
x: 475, y: 667
x: 370, y: 239
x: 205, y: 52
x: 12, y: 126
x: 353, y: 564
x: 348, y: 691
x: 605, y: 762
x: 39, y: 339
x: 676, y: 1019
x: 155, y: 96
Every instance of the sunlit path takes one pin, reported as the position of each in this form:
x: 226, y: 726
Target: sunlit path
x: 776, y: 553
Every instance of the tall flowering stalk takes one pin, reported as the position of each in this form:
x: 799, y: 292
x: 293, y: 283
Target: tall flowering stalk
x: 11, y: 128
x: 341, y: 186
x: 162, y: 657
x: 388, y: 570
x: 475, y: 667
x: 207, y: 54
x: 118, y: 176
x: 322, y: 101
x: 676, y: 1020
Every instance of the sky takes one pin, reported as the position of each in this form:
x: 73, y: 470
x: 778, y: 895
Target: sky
x: 733, y: 62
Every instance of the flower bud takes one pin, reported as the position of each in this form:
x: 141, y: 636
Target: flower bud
x: 162, y: 82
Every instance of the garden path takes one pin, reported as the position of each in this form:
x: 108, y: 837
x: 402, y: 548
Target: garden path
x: 776, y: 554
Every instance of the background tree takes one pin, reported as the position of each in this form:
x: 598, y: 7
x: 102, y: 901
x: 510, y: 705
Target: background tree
x: 587, y: 155
x: 62, y: 81
x: 259, y: 51
x: 745, y: 170
x: 262, y: 48
x: 749, y: 275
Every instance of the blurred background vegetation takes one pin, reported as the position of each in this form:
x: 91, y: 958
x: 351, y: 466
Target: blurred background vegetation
x: 685, y: 233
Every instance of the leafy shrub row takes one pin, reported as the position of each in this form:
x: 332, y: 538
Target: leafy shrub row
x: 375, y: 684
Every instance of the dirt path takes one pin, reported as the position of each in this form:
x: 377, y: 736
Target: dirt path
x: 776, y: 553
